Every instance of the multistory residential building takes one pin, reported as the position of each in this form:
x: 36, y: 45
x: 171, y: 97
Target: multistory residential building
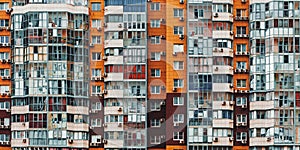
x: 5, y: 75
x: 274, y: 99
x: 50, y: 75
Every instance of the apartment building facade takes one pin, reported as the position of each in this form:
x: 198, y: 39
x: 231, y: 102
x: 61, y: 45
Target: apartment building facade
x: 149, y: 74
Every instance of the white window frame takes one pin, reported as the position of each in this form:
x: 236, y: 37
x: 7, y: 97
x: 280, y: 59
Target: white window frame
x: 178, y: 83
x: 177, y: 12
x: 155, y: 72
x: 155, y: 56
x: 97, y: 89
x: 178, y: 118
x: 241, y: 48
x: 178, y: 134
x: 155, y: 123
x: 96, y: 56
x: 155, y: 39
x: 177, y: 48
x: 241, y: 65
x: 4, y: 72
x: 155, y: 6
x: 95, y: 7
x: 155, y: 23
x: 241, y: 135
x: 155, y: 140
x: 96, y: 122
x: 96, y: 23
x: 155, y: 106
x: 178, y: 101
x: 241, y: 101
x: 178, y: 65
x: 178, y: 30
x: 241, y: 118
x: 241, y: 83
x: 96, y: 39
x: 96, y: 72
x: 155, y: 89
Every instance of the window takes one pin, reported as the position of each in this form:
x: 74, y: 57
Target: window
x: 96, y: 56
x: 241, y: 101
x: 96, y: 39
x: 241, y: 30
x: 178, y: 100
x: 178, y: 12
x: 3, y: 6
x: 241, y: 65
x: 96, y: 89
x: 241, y: 136
x: 241, y: 12
x: 96, y: 23
x: 177, y: 48
x: 155, y: 123
x: 241, y: 83
x: 4, y: 137
x: 96, y: 106
x: 178, y: 136
x: 178, y: 30
x: 286, y: 58
x: 96, y: 138
x: 4, y: 39
x: 178, y: 118
x: 155, y: 89
x: 155, y: 72
x: 178, y: 83
x: 155, y: 56
x: 155, y: 6
x: 96, y: 6
x: 178, y: 65
x: 96, y: 122
x: 155, y: 106
x: 96, y: 72
x: 4, y: 105
x: 241, y: 47
x: 198, y: 13
x: 4, y: 72
x: 155, y: 139
x: 241, y: 118
x: 155, y: 39
x: 154, y: 23
x: 4, y: 23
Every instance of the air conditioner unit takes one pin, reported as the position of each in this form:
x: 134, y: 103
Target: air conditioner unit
x: 215, y: 139
x: 176, y: 124
x: 104, y: 125
x: 221, y: 50
x: 162, y: 103
x: 244, y: 124
x: 2, y: 126
x: 104, y: 58
x: 231, y: 103
x: 91, y: 44
x: 99, y: 28
x: 105, y: 91
x: 23, y: 123
x: 216, y: 14
x: 8, y: 28
x: 8, y: 110
x: 120, y: 109
x: 215, y: 49
x: 224, y: 103
x: 181, y: 1
x: 244, y: 141
x: 163, y: 53
x: 244, y: 1
x: 9, y: 10
x: 231, y: 32
x: 119, y: 124
x: 239, y: 124
x: 269, y: 139
x: 120, y: 25
x: 24, y: 140
x: 181, y: 141
x: 181, y: 19
x: 162, y: 20
x: 230, y: 139
x: 105, y: 25
x: 216, y: 69
x: 91, y: 127
x: 162, y: 119
x: 231, y: 85
x: 104, y: 141
x: 70, y: 141
x: 149, y: 0
x: 174, y: 89
x: 104, y: 74
x: 181, y: 36
x: 244, y: 106
x: 8, y: 60
x: 238, y: 53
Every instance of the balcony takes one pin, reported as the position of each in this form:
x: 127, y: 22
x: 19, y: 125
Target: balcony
x: 109, y: 10
x: 113, y: 26
x: 78, y: 143
x: 135, y: 42
x: 222, y: 87
x: 20, y: 142
x: 77, y: 109
x: 262, y: 105
x: 114, y: 77
x: 222, y: 123
x: 222, y: 1
x: 225, y: 105
x: 113, y: 110
x: 113, y: 43
x: 262, y: 123
x: 115, y: 93
x: 111, y: 60
x: 112, y: 143
x: 222, y: 16
x: 19, y: 109
x: 223, y: 141
x: 77, y: 126
x: 223, y: 34
x: 16, y: 126
x: 113, y: 126
x: 261, y: 141
x: 220, y: 51
x: 221, y: 69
